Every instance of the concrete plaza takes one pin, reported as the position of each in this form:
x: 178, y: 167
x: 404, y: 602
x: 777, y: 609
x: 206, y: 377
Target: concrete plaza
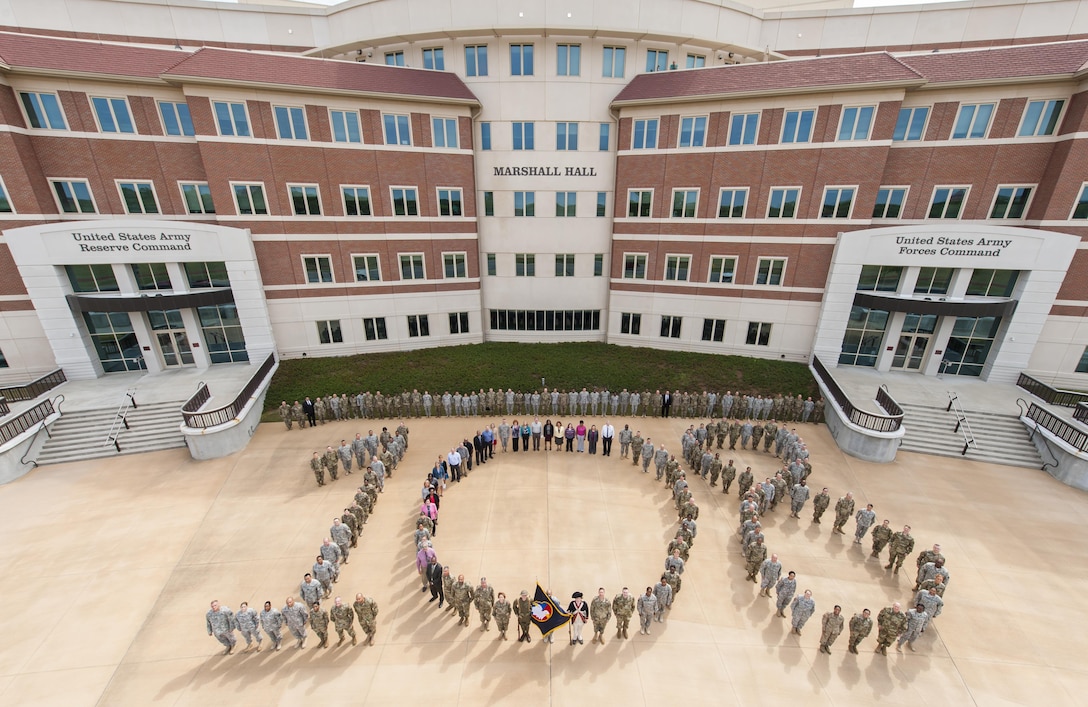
x: 111, y: 566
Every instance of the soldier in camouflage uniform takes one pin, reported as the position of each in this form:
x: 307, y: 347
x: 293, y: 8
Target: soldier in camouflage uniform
x: 769, y: 572
x: 600, y: 611
x: 729, y: 472
x: 366, y: 611
x: 320, y: 410
x: 484, y: 599
x: 502, y: 611
x: 523, y: 607
x: 649, y: 606
x: 901, y: 545
x: 819, y: 505
x: 917, y: 618
x: 802, y: 608
x: 272, y: 623
x: 784, y: 591
x: 331, y: 461
x: 831, y: 626
x: 744, y: 482
x: 342, y: 619
x: 460, y: 597
x: 317, y: 465
x: 672, y: 577
x: 892, y: 623
x: 860, y: 627
x: 220, y: 623
x: 319, y: 622
x: 679, y: 544
x: 298, y: 414
x: 924, y: 557
x: 295, y: 615
x: 844, y: 508
x: 249, y: 625
x: 754, y: 556
x: 285, y: 414
x: 636, y: 447
x: 882, y: 534
x: 623, y: 606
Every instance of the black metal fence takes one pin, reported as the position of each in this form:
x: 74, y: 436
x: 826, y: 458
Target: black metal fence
x: 4, y: 407
x: 861, y: 418
x: 1049, y: 394
x: 34, y: 388
x: 1081, y: 413
x: 23, y: 422
x: 219, y: 416
x: 1073, y: 436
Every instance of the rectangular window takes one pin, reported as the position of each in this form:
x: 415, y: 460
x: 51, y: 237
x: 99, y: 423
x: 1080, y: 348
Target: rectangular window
x: 564, y: 264
x: 947, y: 202
x: 630, y: 323
x: 345, y: 126
x: 713, y: 329
x: 476, y: 60
x: 525, y: 265
x: 837, y: 202
x: 613, y: 60
x: 449, y: 202
x: 696, y: 61
x: 1082, y: 366
x: 639, y: 202
x: 74, y: 196
x: 356, y: 201
x: 973, y: 121
x: 657, y: 60
x: 43, y: 110
x: 545, y: 320
x: 138, y: 197
x: 722, y: 269
x: 434, y: 58
x: 197, y: 197
x: 889, y: 202
x: 598, y: 264
x: 911, y: 124
x: 5, y: 202
x: 418, y: 325
x: 202, y: 276
x: 783, y: 202
x: 856, y: 123
x: 92, y: 278
x: 405, y: 201
x: 602, y: 203
x: 864, y: 332
x: 1080, y: 209
x: 366, y: 268
x: 759, y: 334
x: 397, y: 130
x: 491, y: 269
x: 523, y: 136
x: 394, y: 58
x: 459, y: 322
x: 644, y: 135
x: 743, y: 128
x: 374, y: 328
x: 249, y: 198
x: 693, y: 131
x: 444, y: 132
x: 670, y: 326
x: 222, y: 330
x: 634, y: 266
x: 1011, y: 202
x: 684, y: 202
x: 489, y: 203
x: 677, y: 267
x: 566, y: 203
x: 797, y: 126
x: 318, y: 268
x: 602, y: 139
x: 455, y: 265
x: 992, y: 283
x: 113, y: 115
x: 231, y: 118
x: 521, y: 59
x: 525, y: 203
x: 305, y: 200
x: 1041, y: 118
x: 568, y: 59
x: 176, y: 119
x: 328, y: 332
x: 485, y: 136
x: 933, y: 281
x: 879, y: 278
x: 411, y: 267
x: 566, y: 136
x: 290, y: 122
x: 731, y: 203
x: 770, y: 270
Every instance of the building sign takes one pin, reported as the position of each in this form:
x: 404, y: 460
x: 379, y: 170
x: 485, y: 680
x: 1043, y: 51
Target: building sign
x: 131, y: 241
x: 976, y: 247
x: 545, y: 171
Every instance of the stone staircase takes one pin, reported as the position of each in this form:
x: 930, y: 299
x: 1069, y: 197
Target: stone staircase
x: 1001, y: 439
x: 81, y: 434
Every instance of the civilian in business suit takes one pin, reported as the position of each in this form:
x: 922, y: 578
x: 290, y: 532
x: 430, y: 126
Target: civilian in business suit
x: 434, y: 581
x: 666, y: 403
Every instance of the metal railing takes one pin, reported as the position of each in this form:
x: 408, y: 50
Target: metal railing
x: 861, y: 418
x: 1073, y: 436
x: 42, y: 428
x: 121, y: 419
x: 25, y: 420
x: 1081, y: 413
x: 4, y: 407
x: 962, y: 425
x: 219, y: 416
x: 1050, y: 394
x: 34, y: 388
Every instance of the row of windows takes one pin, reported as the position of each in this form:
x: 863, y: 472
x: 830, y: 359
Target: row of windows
x: 758, y: 334
x: 367, y: 267
x: 545, y: 319
x: 113, y: 115
x: 329, y: 331
x: 525, y: 264
x: 568, y: 60
x: 721, y: 269
x: 566, y: 204
x: 523, y: 136
x: 1010, y: 201
x: 984, y: 282
x: 973, y: 122
x: 147, y: 276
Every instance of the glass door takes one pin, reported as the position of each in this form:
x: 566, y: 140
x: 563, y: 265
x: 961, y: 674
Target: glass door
x: 917, y: 333
x: 169, y: 331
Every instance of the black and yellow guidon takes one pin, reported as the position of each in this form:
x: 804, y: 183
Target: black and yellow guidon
x: 546, y: 614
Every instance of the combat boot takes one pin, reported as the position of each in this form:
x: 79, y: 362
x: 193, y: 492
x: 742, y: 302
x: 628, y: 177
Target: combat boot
x: 625, y: 633
x: 594, y: 639
x: 354, y: 640
x: 340, y: 642
x: 619, y: 632
x: 370, y: 639
x: 601, y: 639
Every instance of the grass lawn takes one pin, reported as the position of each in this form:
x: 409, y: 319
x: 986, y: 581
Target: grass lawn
x: 521, y: 366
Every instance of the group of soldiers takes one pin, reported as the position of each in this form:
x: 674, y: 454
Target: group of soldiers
x: 789, y: 408
x: 375, y: 464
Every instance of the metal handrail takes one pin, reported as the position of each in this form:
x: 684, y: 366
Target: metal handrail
x: 1050, y: 394
x: 25, y: 420
x: 1075, y: 437
x: 1023, y: 405
x: 219, y: 416
x: 121, y: 419
x: 33, y: 389
x: 43, y: 428
x: 4, y: 407
x: 861, y: 418
x: 1080, y: 413
x: 962, y: 424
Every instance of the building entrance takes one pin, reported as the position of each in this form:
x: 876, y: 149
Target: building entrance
x: 914, y: 341
x: 171, y: 337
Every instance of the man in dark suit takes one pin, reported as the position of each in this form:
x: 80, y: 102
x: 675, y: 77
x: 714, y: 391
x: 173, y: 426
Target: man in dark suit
x: 478, y: 448
x: 434, y: 581
x: 666, y: 403
x: 308, y: 410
